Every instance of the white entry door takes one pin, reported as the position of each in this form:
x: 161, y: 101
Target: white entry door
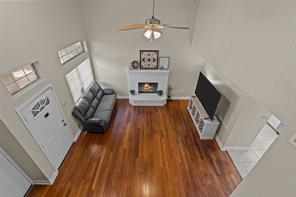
x: 47, y: 123
x: 12, y: 182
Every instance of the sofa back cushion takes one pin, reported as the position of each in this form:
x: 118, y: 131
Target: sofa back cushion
x: 96, y: 90
x: 88, y: 96
x: 99, y: 95
x: 95, y: 103
x: 90, y: 113
x: 76, y: 113
x: 82, y: 106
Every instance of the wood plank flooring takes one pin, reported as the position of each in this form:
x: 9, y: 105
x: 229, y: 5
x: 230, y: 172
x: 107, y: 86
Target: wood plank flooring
x: 147, y: 151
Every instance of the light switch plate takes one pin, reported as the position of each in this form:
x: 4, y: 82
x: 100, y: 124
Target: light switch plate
x: 293, y: 139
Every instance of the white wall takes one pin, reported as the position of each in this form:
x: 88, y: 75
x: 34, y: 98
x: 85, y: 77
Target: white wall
x: 111, y: 50
x: 31, y: 31
x: 252, y: 43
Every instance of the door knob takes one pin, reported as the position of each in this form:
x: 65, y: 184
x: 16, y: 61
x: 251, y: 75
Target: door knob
x: 46, y: 115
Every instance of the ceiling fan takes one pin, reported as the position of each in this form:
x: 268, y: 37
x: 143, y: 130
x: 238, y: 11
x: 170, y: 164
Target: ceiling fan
x: 152, y: 26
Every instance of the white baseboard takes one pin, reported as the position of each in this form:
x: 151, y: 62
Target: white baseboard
x: 236, y: 148
x: 221, y: 146
x: 50, y: 181
x: 122, y: 97
x: 41, y: 182
x: 227, y: 148
x: 180, y: 97
x: 53, y: 177
x: 173, y: 97
x: 76, y: 136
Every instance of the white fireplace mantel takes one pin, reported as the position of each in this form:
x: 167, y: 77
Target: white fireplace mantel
x: 153, y: 76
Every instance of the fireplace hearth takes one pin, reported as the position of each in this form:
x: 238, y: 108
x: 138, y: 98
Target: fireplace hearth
x: 147, y: 87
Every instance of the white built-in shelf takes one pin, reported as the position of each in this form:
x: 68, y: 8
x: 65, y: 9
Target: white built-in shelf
x: 205, y: 127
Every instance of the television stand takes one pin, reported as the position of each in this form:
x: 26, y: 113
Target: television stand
x: 205, y: 127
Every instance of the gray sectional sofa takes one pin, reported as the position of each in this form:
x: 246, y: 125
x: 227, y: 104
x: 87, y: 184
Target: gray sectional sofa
x: 95, y: 108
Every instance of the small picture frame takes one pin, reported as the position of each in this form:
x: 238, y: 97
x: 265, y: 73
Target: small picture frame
x: 149, y: 59
x: 164, y: 63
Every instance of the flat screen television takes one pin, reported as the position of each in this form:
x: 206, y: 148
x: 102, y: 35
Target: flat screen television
x: 208, y: 95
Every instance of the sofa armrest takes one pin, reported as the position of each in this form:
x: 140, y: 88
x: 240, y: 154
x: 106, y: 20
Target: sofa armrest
x: 95, y: 125
x: 108, y: 91
x: 94, y: 121
x: 78, y: 115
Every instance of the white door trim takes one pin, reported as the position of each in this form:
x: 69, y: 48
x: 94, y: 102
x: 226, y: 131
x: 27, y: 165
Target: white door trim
x: 50, y: 180
x: 78, y: 132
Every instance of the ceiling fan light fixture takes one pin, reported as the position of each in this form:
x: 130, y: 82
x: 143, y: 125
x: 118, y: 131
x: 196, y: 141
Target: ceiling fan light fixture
x: 156, y: 34
x: 148, y: 34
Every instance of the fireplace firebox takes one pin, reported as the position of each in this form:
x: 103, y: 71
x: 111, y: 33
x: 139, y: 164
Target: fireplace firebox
x: 147, y: 87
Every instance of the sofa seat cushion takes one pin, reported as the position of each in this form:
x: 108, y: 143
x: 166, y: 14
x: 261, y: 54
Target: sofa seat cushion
x: 90, y: 113
x: 105, y: 108
x: 95, y: 103
x: 107, y: 102
x: 103, y: 115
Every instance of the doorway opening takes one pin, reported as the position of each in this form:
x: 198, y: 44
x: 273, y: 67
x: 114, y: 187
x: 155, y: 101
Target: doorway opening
x: 245, y: 160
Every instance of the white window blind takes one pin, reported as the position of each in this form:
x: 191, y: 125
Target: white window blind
x: 79, y: 79
x: 74, y: 84
x: 85, y: 73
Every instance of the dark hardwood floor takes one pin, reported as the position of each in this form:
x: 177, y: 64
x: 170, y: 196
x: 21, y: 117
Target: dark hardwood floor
x: 147, y: 151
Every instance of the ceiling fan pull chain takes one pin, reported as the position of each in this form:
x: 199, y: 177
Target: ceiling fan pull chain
x: 153, y: 8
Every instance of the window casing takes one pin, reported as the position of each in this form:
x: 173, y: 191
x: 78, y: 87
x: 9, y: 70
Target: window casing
x: 70, y: 52
x: 20, y: 78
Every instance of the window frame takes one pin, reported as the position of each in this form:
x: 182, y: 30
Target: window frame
x: 14, y: 80
x: 68, y: 51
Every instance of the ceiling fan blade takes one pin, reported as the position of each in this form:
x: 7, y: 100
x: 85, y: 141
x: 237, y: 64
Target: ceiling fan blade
x: 131, y: 26
x: 176, y: 27
x: 161, y: 26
